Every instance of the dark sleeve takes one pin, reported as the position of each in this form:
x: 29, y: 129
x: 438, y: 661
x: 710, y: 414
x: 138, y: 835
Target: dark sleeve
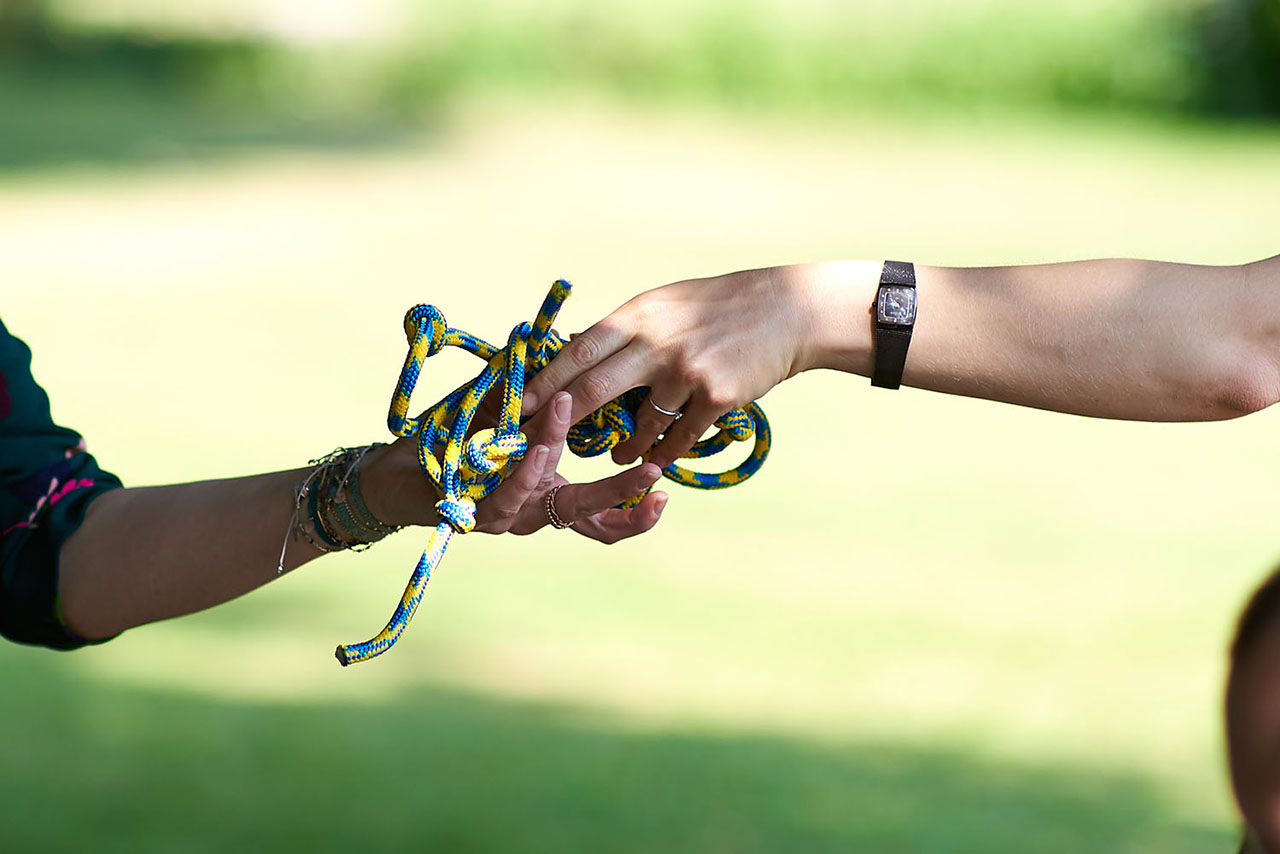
x: 47, y: 481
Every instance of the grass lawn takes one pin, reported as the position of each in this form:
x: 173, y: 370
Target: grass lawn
x: 1032, y: 663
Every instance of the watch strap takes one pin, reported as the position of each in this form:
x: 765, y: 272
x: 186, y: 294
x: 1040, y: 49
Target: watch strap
x: 891, y: 356
x: 898, y: 273
x: 891, y: 342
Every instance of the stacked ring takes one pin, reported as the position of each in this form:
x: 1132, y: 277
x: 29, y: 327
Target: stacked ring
x: 552, y: 516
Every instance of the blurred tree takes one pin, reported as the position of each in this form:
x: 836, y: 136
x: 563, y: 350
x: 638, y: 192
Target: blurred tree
x: 1240, y: 41
x: 1166, y: 56
x: 24, y: 29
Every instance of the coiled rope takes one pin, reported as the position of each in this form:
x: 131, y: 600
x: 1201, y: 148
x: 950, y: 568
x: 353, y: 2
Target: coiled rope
x: 465, y: 469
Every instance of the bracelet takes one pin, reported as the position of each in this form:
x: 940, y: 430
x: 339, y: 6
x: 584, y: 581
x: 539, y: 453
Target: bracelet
x: 320, y: 497
x: 349, y: 513
x: 335, y: 512
x: 362, y: 512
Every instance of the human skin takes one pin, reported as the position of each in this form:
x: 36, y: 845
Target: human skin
x: 1253, y: 730
x: 1119, y: 338
x: 149, y: 553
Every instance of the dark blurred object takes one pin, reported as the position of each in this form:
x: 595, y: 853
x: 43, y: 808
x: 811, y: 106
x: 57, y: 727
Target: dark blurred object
x: 1241, y: 44
x: 24, y: 26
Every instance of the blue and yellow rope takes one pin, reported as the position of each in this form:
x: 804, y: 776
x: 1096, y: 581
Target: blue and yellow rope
x: 465, y: 469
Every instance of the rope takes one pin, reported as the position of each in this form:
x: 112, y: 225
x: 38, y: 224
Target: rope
x: 464, y: 470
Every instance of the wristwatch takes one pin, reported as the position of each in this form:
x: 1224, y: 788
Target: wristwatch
x: 895, y: 312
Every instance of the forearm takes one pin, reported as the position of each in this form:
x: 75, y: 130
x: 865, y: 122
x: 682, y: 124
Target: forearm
x: 1116, y: 338
x: 148, y: 553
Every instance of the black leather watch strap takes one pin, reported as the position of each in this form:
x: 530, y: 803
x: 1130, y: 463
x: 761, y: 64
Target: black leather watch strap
x: 893, y: 334
x: 898, y: 273
x: 891, y: 356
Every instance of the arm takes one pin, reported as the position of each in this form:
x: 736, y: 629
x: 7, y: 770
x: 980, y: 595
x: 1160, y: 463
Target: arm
x: 149, y: 553
x: 1143, y: 340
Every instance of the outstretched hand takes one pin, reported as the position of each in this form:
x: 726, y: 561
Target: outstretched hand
x: 703, y: 346
x: 518, y: 506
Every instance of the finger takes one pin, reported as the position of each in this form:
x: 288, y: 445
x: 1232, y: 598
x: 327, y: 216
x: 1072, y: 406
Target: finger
x: 650, y: 423
x: 576, y: 501
x: 579, y: 355
x: 496, y: 513
x: 550, y: 427
x: 682, y: 435
x: 620, y: 372
x: 547, y: 431
x: 610, y: 526
x: 547, y: 422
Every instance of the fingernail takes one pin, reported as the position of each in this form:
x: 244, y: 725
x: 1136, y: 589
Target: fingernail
x: 563, y: 405
x: 660, y: 503
x: 651, y: 476
x: 530, y: 402
x: 540, y: 455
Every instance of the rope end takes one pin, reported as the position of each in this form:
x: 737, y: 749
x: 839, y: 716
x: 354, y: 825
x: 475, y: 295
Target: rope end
x: 341, y: 654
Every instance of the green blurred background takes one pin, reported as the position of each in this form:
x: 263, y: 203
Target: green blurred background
x: 213, y: 215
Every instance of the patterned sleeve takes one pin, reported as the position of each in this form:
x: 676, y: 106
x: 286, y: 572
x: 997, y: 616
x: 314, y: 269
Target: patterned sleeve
x: 47, y: 481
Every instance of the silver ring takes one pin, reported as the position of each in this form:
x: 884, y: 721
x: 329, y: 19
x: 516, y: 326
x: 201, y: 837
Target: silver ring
x: 677, y: 414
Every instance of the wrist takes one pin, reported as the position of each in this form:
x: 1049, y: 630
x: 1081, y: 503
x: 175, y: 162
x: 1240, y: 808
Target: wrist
x: 837, y: 297
x: 391, y: 483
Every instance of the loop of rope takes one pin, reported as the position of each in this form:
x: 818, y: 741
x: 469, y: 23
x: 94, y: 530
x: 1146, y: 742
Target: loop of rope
x: 464, y: 469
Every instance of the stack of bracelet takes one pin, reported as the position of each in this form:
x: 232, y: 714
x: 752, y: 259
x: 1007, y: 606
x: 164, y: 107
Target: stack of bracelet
x: 335, y: 511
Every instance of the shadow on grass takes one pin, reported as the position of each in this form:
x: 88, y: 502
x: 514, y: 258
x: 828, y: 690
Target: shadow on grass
x: 95, y: 767
x: 106, y: 118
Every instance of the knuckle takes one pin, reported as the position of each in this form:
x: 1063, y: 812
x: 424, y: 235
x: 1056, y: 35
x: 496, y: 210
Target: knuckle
x: 645, y: 344
x: 721, y: 399
x: 687, y: 373
x: 595, y: 389
x: 639, y: 312
x: 586, y: 350
x: 639, y: 309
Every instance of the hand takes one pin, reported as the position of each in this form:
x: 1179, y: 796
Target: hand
x: 703, y: 346
x: 398, y: 494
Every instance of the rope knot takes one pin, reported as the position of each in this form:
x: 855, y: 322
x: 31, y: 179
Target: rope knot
x: 460, y: 513
x: 490, y: 450
x: 426, y: 317
x: 737, y: 424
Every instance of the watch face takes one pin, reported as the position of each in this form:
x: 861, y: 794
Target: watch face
x: 896, y: 305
